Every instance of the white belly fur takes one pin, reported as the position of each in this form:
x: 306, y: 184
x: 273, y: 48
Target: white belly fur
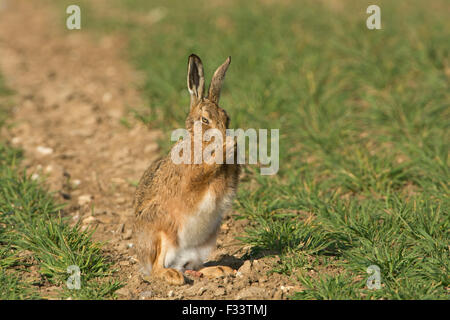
x: 193, y: 248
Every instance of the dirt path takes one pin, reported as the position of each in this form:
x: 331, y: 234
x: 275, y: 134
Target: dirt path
x: 72, y: 92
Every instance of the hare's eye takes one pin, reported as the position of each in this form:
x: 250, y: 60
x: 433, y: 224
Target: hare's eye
x: 205, y: 121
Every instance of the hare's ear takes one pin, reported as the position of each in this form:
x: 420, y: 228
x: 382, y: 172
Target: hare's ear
x: 195, y: 79
x: 217, y: 81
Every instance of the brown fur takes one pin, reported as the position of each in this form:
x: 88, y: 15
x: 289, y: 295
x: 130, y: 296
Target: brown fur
x: 168, y: 194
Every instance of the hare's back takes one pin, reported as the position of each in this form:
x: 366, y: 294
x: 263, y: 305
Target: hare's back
x: 146, y: 185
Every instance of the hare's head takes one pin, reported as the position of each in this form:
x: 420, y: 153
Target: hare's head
x: 205, y: 109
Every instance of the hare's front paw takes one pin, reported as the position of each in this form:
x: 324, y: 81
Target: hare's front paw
x: 217, y: 271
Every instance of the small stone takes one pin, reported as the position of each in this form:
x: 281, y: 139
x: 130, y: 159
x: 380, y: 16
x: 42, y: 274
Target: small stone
x: 145, y: 295
x: 262, y: 279
x: 170, y: 294
x: 44, y: 150
x: 34, y: 176
x: 121, y: 200
x: 201, y: 291
x: 124, y: 263
x: 127, y: 235
x: 246, y: 267
x: 89, y: 220
x: 15, y: 140
x: 286, y: 289
x: 76, y: 183
x: 123, y: 292
x: 84, y: 199
x: 219, y: 292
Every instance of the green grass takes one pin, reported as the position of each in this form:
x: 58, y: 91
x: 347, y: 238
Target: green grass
x: 33, y: 233
x: 364, y: 128
x: 15, y: 289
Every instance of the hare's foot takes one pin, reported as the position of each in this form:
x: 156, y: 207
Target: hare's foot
x: 171, y: 276
x: 217, y: 271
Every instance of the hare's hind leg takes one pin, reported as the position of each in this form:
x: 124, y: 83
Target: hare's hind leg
x: 170, y: 275
x: 151, y: 252
x: 146, y: 250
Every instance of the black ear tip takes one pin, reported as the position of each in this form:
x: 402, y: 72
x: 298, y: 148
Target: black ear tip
x: 194, y: 56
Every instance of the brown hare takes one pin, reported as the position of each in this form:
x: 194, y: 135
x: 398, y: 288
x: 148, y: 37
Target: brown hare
x: 179, y: 207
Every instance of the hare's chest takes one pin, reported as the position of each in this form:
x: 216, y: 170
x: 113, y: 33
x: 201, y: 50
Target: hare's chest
x: 205, y: 221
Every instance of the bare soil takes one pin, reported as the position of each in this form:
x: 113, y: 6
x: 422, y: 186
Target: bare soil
x: 72, y: 93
